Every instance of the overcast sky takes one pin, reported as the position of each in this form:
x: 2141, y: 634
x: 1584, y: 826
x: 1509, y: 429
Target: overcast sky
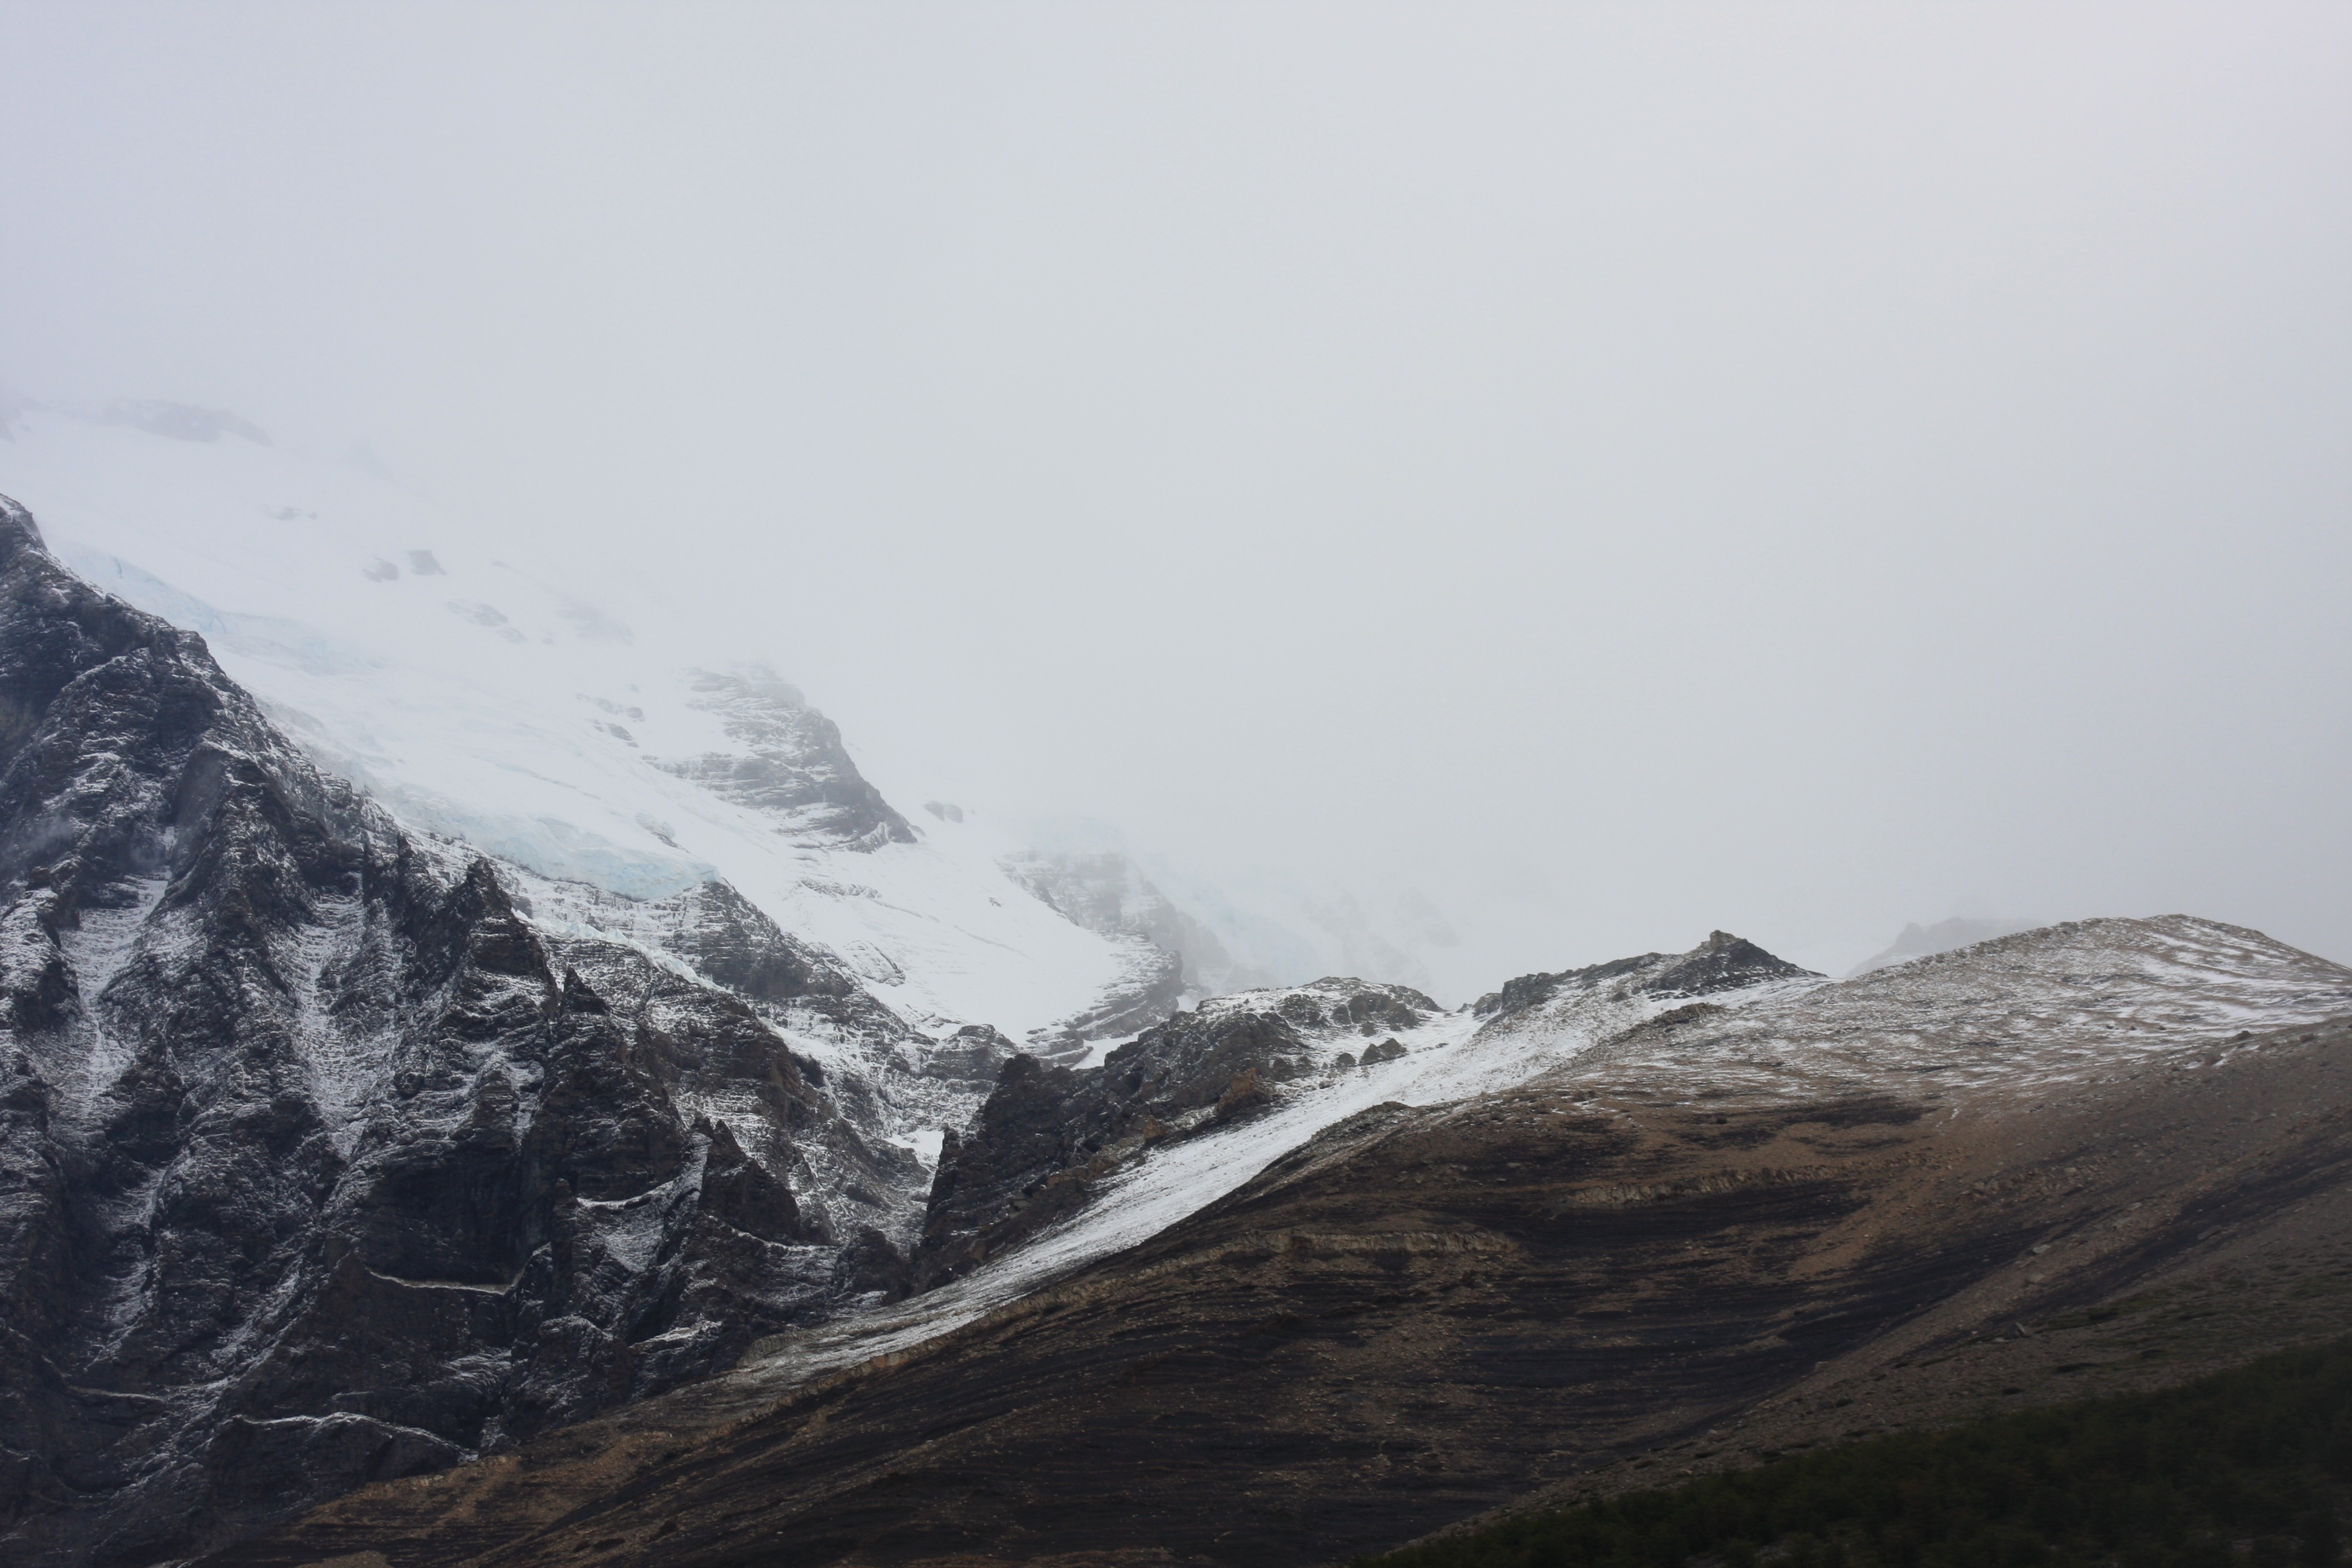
x: 1625, y: 470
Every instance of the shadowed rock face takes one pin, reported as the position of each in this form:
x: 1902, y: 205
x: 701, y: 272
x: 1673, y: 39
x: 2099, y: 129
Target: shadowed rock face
x: 318, y: 1163
x: 1427, y: 1313
x: 726, y: 938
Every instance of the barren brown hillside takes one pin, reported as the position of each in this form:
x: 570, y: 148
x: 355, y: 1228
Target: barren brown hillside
x: 1428, y: 1315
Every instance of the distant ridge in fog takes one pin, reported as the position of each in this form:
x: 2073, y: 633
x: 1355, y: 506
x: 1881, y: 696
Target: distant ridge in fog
x: 1918, y: 940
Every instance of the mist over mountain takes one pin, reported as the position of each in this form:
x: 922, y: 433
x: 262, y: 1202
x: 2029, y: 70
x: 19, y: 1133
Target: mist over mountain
x: 1613, y: 476
x: 1917, y: 941
x: 1023, y: 786
x: 347, y: 1151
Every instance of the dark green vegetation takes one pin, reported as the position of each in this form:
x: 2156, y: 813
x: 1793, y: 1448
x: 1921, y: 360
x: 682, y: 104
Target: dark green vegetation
x: 2258, y: 1458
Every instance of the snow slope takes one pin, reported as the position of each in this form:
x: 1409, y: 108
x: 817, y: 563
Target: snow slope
x: 480, y: 699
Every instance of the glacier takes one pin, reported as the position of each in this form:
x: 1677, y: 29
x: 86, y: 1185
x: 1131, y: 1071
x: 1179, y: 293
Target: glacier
x: 487, y: 701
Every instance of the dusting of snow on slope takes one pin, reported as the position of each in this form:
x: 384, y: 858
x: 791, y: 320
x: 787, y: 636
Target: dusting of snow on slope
x: 2015, y: 1016
x: 2007, y: 1018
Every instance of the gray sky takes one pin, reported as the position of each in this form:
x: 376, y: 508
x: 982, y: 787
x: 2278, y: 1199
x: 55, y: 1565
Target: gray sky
x: 1622, y: 469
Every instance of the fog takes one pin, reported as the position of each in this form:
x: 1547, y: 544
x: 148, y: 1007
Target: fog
x: 1618, y: 471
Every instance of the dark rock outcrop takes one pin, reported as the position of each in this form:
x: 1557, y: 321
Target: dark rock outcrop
x: 730, y: 941
x: 975, y: 1053
x: 318, y: 1161
x: 1722, y: 963
x: 792, y: 766
x: 1021, y: 1167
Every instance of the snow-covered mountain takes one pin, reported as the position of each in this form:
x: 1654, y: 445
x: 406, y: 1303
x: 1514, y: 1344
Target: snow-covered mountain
x: 322, y: 1160
x: 739, y: 998
x: 484, y: 701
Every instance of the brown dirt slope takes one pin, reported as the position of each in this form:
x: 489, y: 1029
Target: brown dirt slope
x: 1426, y: 1315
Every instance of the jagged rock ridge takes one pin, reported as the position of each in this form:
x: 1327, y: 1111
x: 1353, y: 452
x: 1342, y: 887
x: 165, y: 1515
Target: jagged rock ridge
x: 1723, y: 963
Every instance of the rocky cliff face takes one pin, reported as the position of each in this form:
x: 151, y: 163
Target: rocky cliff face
x: 320, y: 1161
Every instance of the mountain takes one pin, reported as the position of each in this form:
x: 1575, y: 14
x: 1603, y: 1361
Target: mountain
x: 343, y: 1151
x: 328, y: 1158
x: 1775, y: 1212
x: 465, y: 1044
x: 480, y: 696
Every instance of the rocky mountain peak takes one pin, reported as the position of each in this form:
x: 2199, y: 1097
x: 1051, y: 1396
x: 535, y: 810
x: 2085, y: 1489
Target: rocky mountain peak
x: 1723, y: 963
x: 320, y: 1159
